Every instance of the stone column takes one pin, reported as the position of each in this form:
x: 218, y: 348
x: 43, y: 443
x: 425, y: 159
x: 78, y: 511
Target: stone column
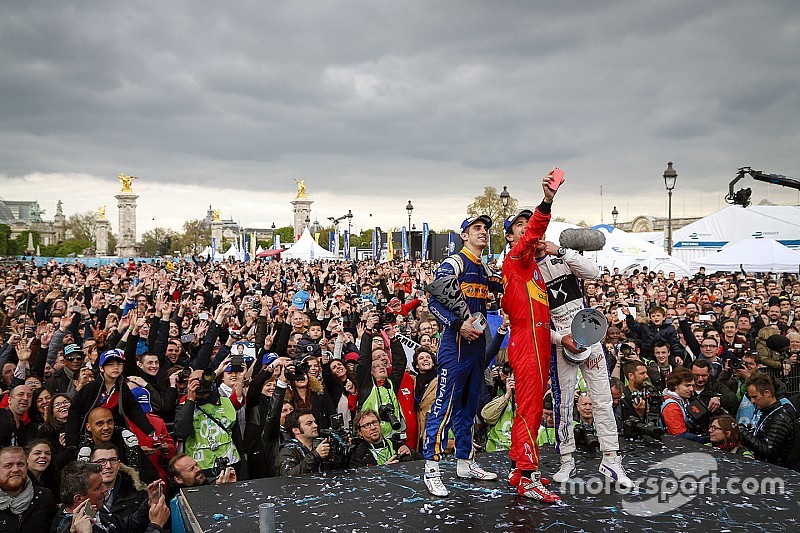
x: 216, y: 235
x: 126, y: 246
x: 302, y: 210
x: 101, y: 229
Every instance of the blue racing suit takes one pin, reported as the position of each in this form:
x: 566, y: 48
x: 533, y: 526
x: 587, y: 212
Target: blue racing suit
x: 459, y: 361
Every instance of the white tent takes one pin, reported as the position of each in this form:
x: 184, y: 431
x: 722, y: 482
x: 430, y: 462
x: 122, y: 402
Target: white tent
x: 754, y: 255
x: 735, y: 223
x: 627, y: 252
x: 206, y: 252
x: 307, y: 249
x: 231, y: 253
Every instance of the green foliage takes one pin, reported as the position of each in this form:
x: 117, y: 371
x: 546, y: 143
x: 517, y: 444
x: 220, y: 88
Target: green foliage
x: 286, y: 233
x: 5, y: 233
x: 65, y: 248
x: 82, y: 225
x: 489, y: 203
x: 196, y: 236
x: 158, y: 242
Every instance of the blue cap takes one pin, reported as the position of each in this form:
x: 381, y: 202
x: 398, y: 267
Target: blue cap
x: 527, y: 213
x: 268, y: 358
x: 142, y: 396
x: 111, y: 354
x: 486, y: 219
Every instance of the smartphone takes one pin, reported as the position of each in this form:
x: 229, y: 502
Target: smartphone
x: 705, y: 318
x: 188, y: 337
x: 203, y: 316
x: 557, y: 178
x: 88, y: 510
x: 159, y: 491
x: 237, y: 363
x: 77, y: 308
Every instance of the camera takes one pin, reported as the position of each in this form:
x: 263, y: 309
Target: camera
x: 625, y: 350
x: 586, y: 437
x: 220, y: 464
x: 184, y: 374
x: 736, y: 363
x: 634, y: 428
x: 299, y: 372
x: 339, y: 439
x: 386, y: 413
x: 506, y: 369
x: 207, y: 381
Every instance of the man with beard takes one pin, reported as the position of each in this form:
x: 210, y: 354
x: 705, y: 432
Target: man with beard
x: 23, y: 505
x: 184, y: 472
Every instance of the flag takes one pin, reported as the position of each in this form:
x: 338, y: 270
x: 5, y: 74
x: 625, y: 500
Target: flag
x: 246, y: 247
x: 378, y: 240
x: 335, y: 243
x: 451, y: 243
x: 213, y: 248
x: 389, y: 246
x: 425, y: 231
x: 404, y: 239
x: 346, y: 244
x: 276, y: 241
x: 331, y: 244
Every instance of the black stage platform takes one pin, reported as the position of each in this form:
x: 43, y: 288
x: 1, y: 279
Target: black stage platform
x: 394, y: 498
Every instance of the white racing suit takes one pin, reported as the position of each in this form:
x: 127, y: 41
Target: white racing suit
x: 561, y: 274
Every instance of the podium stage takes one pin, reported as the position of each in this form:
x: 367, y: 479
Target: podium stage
x: 394, y: 498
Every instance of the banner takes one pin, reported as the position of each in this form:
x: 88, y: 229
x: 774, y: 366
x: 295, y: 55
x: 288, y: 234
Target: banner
x: 374, y: 244
x: 346, y: 244
x: 246, y: 248
x: 378, y: 248
x: 425, y: 231
x: 451, y: 243
x: 253, y: 244
x: 389, y: 246
x: 404, y: 239
x: 276, y: 242
x: 213, y: 248
x: 335, y: 243
x: 331, y: 245
x: 409, y: 347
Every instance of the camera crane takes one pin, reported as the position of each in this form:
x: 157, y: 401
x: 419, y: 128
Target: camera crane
x: 742, y: 196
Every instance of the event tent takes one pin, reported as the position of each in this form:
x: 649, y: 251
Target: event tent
x: 627, y: 252
x: 735, y: 223
x: 753, y: 255
x: 307, y: 249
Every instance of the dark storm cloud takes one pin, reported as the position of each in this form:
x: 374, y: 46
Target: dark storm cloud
x: 251, y: 92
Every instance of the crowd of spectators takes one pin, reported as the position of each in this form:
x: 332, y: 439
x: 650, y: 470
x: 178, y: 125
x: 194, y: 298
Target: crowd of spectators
x: 121, y: 384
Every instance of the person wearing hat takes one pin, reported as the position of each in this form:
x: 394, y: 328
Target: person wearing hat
x: 160, y: 449
x: 63, y: 379
x: 461, y: 353
x: 401, y: 309
x: 525, y: 303
x: 109, y: 391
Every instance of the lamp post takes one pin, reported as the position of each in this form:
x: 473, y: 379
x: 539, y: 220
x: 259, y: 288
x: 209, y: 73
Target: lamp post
x: 308, y: 222
x: 504, y: 196
x: 670, y: 177
x: 155, y: 236
x: 349, y: 216
x: 614, y: 215
x: 409, y: 208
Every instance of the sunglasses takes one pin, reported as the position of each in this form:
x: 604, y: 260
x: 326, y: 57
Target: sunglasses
x: 72, y: 358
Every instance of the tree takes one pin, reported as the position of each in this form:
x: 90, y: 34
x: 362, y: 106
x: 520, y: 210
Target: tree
x: 5, y: 233
x: 286, y: 233
x: 158, y: 242
x: 82, y: 225
x: 196, y: 236
x: 489, y: 203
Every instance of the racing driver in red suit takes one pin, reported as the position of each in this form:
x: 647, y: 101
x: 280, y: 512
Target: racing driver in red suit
x: 525, y: 303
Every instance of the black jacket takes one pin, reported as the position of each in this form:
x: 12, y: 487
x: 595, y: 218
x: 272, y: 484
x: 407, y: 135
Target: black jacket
x: 648, y: 334
x: 263, y: 436
x: 10, y: 434
x: 89, y: 397
x: 295, y: 459
x: 775, y: 440
x: 37, y: 517
x: 127, y: 497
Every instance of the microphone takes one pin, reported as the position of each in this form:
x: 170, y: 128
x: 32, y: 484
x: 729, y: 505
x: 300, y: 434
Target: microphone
x: 582, y: 240
x: 777, y: 343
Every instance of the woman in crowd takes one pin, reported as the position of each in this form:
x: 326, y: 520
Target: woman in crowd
x: 54, y: 429
x: 40, y: 465
x: 40, y: 403
x: 724, y: 435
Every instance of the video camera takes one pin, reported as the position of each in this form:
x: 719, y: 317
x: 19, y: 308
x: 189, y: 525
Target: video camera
x: 586, y: 437
x: 339, y: 438
x: 649, y: 429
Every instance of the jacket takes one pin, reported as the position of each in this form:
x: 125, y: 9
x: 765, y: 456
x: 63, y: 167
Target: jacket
x: 129, y: 492
x: 37, y: 517
x: 775, y: 436
x: 648, y: 334
x: 263, y: 436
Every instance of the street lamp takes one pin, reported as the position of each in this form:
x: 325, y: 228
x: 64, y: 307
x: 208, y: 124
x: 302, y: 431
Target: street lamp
x: 155, y: 236
x: 670, y: 177
x: 349, y: 216
x: 273, y: 227
x: 308, y: 222
x: 409, y: 208
x: 504, y: 196
x: 614, y: 215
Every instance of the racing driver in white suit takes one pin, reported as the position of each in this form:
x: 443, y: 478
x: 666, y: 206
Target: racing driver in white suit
x: 562, y: 269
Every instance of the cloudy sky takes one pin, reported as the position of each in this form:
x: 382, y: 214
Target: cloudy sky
x: 374, y: 103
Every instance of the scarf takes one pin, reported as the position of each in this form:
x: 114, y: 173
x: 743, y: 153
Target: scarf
x: 18, y: 504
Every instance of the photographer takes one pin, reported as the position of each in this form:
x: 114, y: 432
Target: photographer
x: 305, y: 452
x: 584, y: 430
x: 634, y: 401
x: 773, y: 437
x: 206, y: 422
x: 499, y: 413
x: 715, y: 397
x: 736, y: 372
x: 374, y: 448
x: 377, y: 390
x: 674, y: 415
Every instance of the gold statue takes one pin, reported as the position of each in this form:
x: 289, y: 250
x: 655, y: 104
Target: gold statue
x: 301, y: 188
x: 101, y: 212
x: 215, y: 215
x: 127, y: 181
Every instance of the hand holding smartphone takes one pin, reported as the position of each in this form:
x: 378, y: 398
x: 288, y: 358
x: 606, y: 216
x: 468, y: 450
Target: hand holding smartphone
x: 556, y: 178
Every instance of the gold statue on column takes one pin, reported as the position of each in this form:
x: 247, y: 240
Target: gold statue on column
x: 101, y: 212
x: 215, y: 215
x: 127, y: 181
x: 301, y: 188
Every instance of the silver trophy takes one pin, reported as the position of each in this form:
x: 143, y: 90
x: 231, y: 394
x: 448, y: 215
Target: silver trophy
x: 588, y: 327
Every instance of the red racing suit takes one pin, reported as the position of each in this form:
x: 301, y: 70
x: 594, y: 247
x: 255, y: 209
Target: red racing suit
x: 525, y: 303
